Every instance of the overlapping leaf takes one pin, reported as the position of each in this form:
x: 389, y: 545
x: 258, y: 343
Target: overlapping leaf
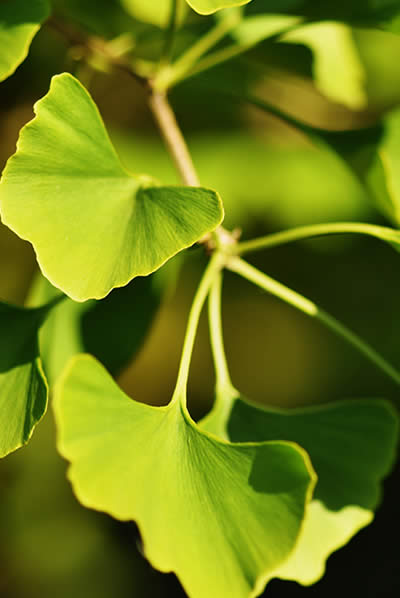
x: 113, y: 330
x: 221, y: 516
x: 382, y: 176
x: 19, y: 22
x: 23, y: 387
x: 93, y: 225
x: 380, y: 13
x: 337, y: 68
x: 352, y: 446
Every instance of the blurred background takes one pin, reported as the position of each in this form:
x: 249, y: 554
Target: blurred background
x: 271, y: 177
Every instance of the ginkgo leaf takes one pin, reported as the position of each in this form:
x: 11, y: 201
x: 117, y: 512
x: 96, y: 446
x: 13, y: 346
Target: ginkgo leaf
x: 337, y: 68
x: 156, y: 12
x: 382, y: 176
x: 208, y: 7
x: 19, y: 22
x: 113, y: 329
x: 352, y: 445
x: 93, y: 225
x: 23, y: 387
x: 222, y: 516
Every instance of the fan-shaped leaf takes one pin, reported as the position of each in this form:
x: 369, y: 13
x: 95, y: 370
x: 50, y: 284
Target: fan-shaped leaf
x: 23, y: 387
x: 207, y: 7
x: 156, y: 12
x: 19, y: 22
x: 352, y: 446
x: 221, y: 516
x: 92, y: 224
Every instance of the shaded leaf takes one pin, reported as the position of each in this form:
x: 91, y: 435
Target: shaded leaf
x: 380, y: 13
x: 23, y: 387
x: 220, y: 516
x: 19, y: 22
x: 383, y: 176
x: 113, y: 329
x: 352, y: 445
x: 93, y: 225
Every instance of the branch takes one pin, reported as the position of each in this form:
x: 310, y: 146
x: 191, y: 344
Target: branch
x: 172, y: 135
x: 94, y: 45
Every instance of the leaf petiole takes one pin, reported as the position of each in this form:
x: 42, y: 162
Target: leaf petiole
x: 223, y: 379
x: 311, y: 309
x: 214, y: 267
x: 175, y: 72
x: 317, y: 230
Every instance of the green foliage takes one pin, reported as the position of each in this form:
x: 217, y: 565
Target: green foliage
x: 250, y: 492
x: 352, y: 445
x: 130, y: 225
x: 23, y: 388
x: 19, y: 22
x: 233, y: 511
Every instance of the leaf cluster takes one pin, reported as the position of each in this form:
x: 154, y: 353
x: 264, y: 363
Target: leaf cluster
x: 249, y: 493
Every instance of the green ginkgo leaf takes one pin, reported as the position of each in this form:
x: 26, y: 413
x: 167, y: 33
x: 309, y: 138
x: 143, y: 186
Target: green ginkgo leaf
x: 208, y: 7
x: 221, y: 516
x: 156, y: 12
x: 382, y: 176
x: 23, y: 387
x: 337, y: 68
x: 352, y: 445
x: 19, y: 22
x: 113, y: 329
x: 93, y: 225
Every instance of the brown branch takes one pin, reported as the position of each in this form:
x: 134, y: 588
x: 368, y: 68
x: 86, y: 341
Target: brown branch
x: 172, y: 135
x: 94, y: 45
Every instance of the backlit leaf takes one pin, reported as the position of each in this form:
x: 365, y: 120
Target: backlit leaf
x: 19, y: 22
x: 93, y: 225
x: 383, y: 176
x: 352, y: 445
x: 221, y: 516
x: 23, y: 387
x: 156, y: 12
x: 207, y: 7
x: 337, y: 68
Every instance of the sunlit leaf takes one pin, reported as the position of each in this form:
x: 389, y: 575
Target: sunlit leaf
x: 23, y: 387
x: 19, y: 22
x: 337, y: 68
x: 221, y: 516
x: 254, y: 29
x: 156, y: 12
x: 352, y: 445
x: 383, y: 175
x: 93, y: 225
x: 207, y: 7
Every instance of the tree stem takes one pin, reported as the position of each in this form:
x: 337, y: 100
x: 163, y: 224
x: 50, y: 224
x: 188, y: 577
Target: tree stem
x: 173, y: 137
x: 311, y: 309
